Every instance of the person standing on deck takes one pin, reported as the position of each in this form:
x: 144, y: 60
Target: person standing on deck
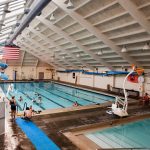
x: 13, y: 107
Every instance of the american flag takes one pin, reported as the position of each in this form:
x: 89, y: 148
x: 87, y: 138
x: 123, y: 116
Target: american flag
x: 9, y: 52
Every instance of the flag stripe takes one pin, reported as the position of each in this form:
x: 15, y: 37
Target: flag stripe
x: 10, y: 53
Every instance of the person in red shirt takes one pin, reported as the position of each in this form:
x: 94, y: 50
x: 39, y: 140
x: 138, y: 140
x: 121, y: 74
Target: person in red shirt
x: 146, y: 99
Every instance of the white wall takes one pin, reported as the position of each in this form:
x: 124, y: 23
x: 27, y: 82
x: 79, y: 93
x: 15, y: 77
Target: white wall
x: 102, y: 82
x: 83, y: 79
x: 28, y: 72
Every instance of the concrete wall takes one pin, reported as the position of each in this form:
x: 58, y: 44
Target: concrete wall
x: 28, y: 72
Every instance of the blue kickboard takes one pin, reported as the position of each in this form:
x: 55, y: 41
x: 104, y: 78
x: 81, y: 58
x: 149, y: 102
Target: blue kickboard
x: 38, y: 138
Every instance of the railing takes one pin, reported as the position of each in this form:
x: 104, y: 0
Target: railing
x: 25, y: 106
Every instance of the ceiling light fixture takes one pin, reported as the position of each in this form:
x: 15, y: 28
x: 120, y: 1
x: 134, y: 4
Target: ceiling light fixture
x: 37, y: 29
x: 63, y: 57
x: 78, y: 55
x: 70, y: 5
x: 124, y: 49
x: 28, y: 35
x: 146, y: 46
x: 100, y: 52
x: 26, y: 10
x: 1, y: 24
x: 66, y: 2
x: 7, y: 11
x: 17, y: 24
x: 52, y: 18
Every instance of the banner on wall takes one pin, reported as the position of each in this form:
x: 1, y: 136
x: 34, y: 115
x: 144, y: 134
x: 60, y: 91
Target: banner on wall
x: 133, y: 78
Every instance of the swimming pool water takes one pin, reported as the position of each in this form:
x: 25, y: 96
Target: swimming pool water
x: 53, y: 95
x: 132, y: 135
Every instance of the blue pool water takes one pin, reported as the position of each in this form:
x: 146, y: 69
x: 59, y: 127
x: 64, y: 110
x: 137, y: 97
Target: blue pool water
x: 53, y: 95
x: 132, y: 135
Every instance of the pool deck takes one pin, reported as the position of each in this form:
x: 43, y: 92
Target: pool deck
x: 66, y: 126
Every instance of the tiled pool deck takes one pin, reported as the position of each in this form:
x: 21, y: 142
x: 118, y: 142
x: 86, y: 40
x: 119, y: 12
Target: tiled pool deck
x: 55, y: 124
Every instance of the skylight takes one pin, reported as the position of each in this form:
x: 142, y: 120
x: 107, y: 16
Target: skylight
x: 9, y: 19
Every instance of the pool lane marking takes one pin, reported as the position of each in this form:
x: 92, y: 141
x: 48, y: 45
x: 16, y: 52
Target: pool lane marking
x: 51, y: 100
x: 75, y: 96
x: 85, y: 94
x: 31, y: 99
x: 38, y: 138
x: 86, y: 91
x: 58, y: 95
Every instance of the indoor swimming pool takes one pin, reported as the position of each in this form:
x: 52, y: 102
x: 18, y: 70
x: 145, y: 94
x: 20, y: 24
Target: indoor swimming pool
x: 132, y: 135
x: 53, y: 95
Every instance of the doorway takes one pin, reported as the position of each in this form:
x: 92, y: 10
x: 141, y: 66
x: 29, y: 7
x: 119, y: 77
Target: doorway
x: 41, y: 75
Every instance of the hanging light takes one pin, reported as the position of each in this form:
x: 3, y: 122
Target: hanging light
x: 28, y: 35
x: 146, y: 46
x: 70, y: 5
x: 37, y: 29
x: 78, y: 55
x: 52, y: 18
x: 124, y: 49
x: 100, y: 52
x: 1, y: 24
x: 7, y: 11
x: 63, y: 57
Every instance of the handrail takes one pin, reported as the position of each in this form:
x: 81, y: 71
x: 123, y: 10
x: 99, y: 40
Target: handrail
x: 25, y: 104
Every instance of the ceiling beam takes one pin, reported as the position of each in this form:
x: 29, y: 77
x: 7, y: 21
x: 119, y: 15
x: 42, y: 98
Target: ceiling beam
x: 29, y: 48
x: 7, y: 1
x: 37, y: 62
x: 58, y: 31
x: 135, y: 13
x: 74, y: 42
x: 23, y: 58
x: 42, y: 47
x: 94, y: 31
x: 43, y: 37
x: 101, y: 9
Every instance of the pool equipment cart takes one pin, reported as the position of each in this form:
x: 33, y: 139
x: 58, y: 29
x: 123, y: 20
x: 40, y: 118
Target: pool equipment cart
x: 120, y: 106
x: 2, y: 67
